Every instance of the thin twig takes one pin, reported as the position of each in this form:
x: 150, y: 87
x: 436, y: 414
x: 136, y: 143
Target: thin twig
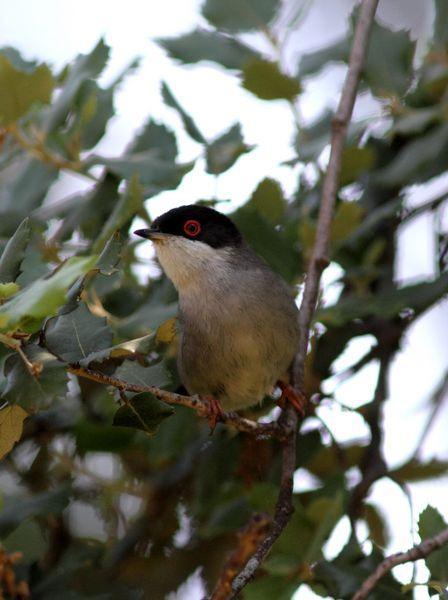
x: 193, y: 402
x: 284, y: 507
x: 415, y: 553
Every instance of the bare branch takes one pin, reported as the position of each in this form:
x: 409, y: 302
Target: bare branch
x: 193, y: 402
x: 420, y: 551
x: 284, y: 508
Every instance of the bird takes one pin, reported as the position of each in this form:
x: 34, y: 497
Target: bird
x: 238, y: 319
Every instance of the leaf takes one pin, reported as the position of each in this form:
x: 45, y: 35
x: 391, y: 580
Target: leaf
x: 130, y: 203
x: 430, y: 523
x: 387, y: 304
x: 43, y: 297
x: 110, y: 255
x: 240, y: 15
x: 347, y: 217
x: 18, y: 509
x: 34, y: 391
x: 355, y: 162
x: 417, y: 471
x: 85, y: 66
x: 133, y: 372
x: 142, y: 345
x: 440, y: 34
x: 8, y: 289
x: 155, y: 136
x: 268, y: 200
x: 93, y: 437
x: 11, y: 426
x: 313, y: 139
x: 208, y: 45
x: 379, y: 531
x: 143, y: 411
x: 25, y: 88
x: 14, y: 252
x: 225, y: 150
x: 265, y: 80
x: 189, y: 124
x: 313, y: 62
x: 74, y: 335
x: 166, y: 332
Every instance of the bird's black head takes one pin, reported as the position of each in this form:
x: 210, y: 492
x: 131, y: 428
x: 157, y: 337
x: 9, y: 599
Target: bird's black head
x: 197, y: 223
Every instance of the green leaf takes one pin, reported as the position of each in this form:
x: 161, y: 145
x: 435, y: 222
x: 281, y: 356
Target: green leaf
x: 93, y: 437
x: 133, y: 372
x: 313, y: 62
x: 142, y: 346
x: 130, y: 203
x: 38, y: 390
x: 208, y: 45
x: 240, y: 15
x: 440, y: 34
x: 18, y: 509
x: 8, y: 289
x: 347, y: 217
x: 85, y: 66
x: 43, y: 297
x: 74, y: 335
x: 11, y: 427
x: 268, y: 200
x: 225, y: 150
x: 313, y: 139
x: 14, y: 252
x: 143, y: 411
x: 110, y: 255
x: 431, y: 523
x: 24, y: 88
x: 355, y: 162
x: 387, y: 304
x: 157, y: 137
x: 269, y: 243
x: 268, y: 587
x: 378, y: 529
x: 190, y: 126
x: 265, y: 79
x: 418, y: 471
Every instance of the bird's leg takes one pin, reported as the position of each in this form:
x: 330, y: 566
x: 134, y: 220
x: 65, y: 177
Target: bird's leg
x: 289, y: 394
x: 214, y: 412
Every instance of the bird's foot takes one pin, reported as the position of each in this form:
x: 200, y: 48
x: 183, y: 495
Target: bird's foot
x: 214, y: 412
x: 289, y: 394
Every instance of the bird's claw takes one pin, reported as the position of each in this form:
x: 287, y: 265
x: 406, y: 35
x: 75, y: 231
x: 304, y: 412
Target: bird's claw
x: 214, y: 412
x: 289, y: 394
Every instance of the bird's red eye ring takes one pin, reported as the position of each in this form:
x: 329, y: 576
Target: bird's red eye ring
x: 192, y: 227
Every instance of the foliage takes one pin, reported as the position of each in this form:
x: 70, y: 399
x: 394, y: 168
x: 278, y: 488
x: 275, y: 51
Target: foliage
x: 70, y: 297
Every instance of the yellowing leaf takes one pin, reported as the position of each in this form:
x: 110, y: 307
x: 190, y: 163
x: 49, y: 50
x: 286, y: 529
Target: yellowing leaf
x: 354, y: 162
x: 167, y: 331
x: 8, y: 289
x: 11, y: 427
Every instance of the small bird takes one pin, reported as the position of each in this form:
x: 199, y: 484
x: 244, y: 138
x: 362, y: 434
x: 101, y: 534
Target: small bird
x: 238, y: 319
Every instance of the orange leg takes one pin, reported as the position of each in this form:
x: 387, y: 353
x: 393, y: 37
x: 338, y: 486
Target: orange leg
x: 289, y: 394
x: 214, y: 412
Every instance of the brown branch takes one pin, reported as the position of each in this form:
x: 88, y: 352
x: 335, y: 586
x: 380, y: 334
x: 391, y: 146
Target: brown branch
x: 193, y: 402
x: 417, y: 552
x: 248, y: 541
x: 289, y: 418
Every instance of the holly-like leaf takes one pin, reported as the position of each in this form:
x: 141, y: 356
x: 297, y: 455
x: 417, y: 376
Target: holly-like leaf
x: 265, y: 79
x: 431, y: 523
x: 14, y: 253
x: 30, y: 390
x: 143, y: 411
x: 25, y: 88
x: 133, y: 372
x: 43, y: 297
x: 110, y: 255
x: 240, y: 15
x: 415, y: 470
x: 157, y: 137
x: 313, y: 62
x: 355, y: 161
x: 208, y: 45
x: 74, y: 335
x: 142, y: 346
x: 189, y: 124
x: 225, y: 150
x: 268, y: 200
x: 19, y: 509
x: 11, y: 426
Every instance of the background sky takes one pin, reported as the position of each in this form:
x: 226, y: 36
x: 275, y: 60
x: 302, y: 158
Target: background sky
x: 55, y: 31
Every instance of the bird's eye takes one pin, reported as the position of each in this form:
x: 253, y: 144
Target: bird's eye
x: 192, y: 228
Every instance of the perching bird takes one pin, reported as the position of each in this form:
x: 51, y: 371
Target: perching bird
x: 238, y: 319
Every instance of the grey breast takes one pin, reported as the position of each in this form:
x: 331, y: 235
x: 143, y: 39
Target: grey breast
x: 239, y: 332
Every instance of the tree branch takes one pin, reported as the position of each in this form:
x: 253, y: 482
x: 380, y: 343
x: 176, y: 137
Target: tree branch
x: 193, y: 402
x: 420, y: 551
x: 289, y: 418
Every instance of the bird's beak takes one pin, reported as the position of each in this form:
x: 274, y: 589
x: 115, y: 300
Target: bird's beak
x: 153, y: 233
